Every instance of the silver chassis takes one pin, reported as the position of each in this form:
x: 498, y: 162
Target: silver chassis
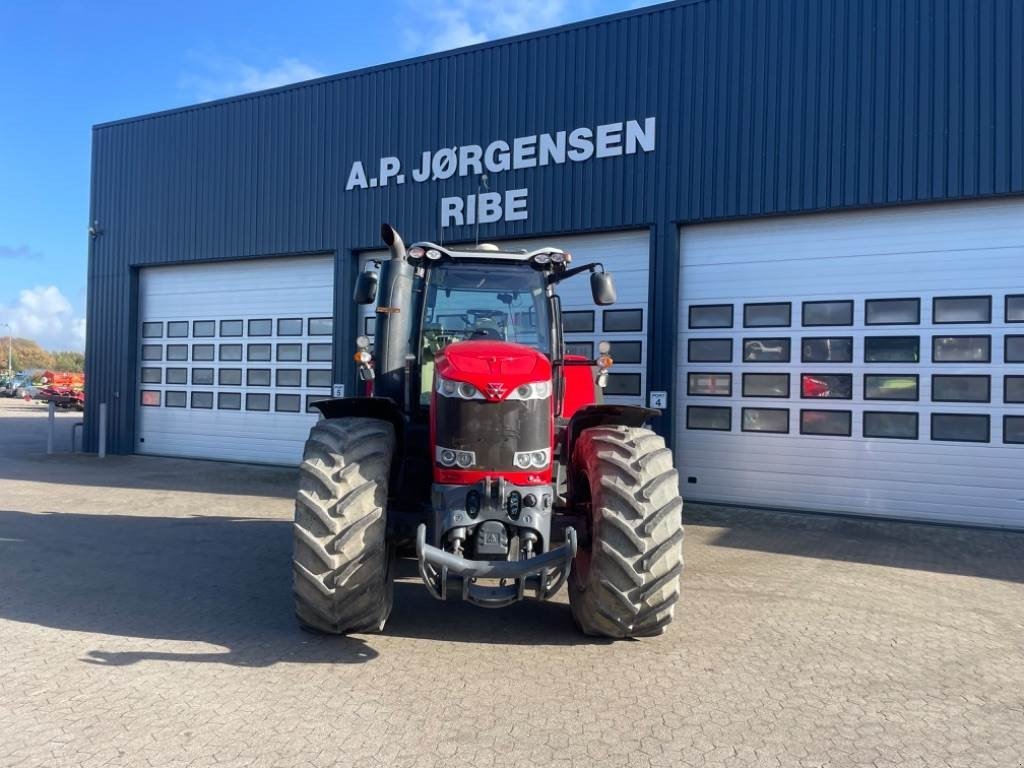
x: 541, y: 576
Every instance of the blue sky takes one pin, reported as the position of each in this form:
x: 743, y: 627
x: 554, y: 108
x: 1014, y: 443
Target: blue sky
x: 67, y: 65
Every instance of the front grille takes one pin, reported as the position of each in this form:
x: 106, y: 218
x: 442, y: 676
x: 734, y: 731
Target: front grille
x: 493, y: 431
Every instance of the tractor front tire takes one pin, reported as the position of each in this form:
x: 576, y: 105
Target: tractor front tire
x: 342, y: 576
x: 625, y: 578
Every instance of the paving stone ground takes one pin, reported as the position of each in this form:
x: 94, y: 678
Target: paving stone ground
x: 145, y: 619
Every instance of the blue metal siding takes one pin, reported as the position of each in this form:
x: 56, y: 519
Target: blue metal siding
x: 763, y: 107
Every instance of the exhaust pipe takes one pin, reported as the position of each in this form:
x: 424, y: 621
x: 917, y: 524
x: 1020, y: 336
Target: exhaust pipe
x: 394, y: 241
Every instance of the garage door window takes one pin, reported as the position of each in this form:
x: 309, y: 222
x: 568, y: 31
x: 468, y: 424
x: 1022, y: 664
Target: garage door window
x: 624, y: 352
x: 710, y: 316
x: 229, y: 401
x: 892, y: 311
x: 150, y: 397
x: 890, y: 424
x: 289, y: 327
x: 1013, y: 429
x: 258, y: 377
x: 202, y: 352
x: 202, y: 329
x: 152, y: 330
x: 175, y: 399
x: 622, y: 320
x: 321, y: 326
x: 230, y: 352
x: 316, y: 377
x: 311, y: 399
x: 961, y: 349
x: 709, y: 384
x: 151, y: 375
x: 152, y: 352
x: 831, y: 386
x: 202, y: 399
x: 230, y: 377
x: 708, y: 417
x: 318, y: 353
x: 773, y: 315
x: 962, y: 309
x: 766, y: 385
x: 832, y: 423
x: 709, y: 351
x: 572, y: 322
x: 257, y: 401
x: 257, y: 352
x: 626, y: 384
x: 230, y: 328
x: 177, y: 375
x: 961, y: 389
x: 960, y: 427
x: 1013, y: 389
x: 765, y: 420
x: 177, y: 329
x: 263, y: 327
x: 828, y: 312
x: 892, y: 349
x: 287, y: 403
x: 1014, y: 349
x: 1015, y: 309
x: 891, y: 386
x: 581, y: 348
x: 202, y: 376
x: 289, y: 377
x: 829, y: 349
x: 289, y: 353
x: 177, y: 351
x: 774, y: 350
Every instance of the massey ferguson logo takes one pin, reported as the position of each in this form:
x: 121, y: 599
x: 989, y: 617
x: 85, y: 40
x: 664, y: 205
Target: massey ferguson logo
x: 495, y: 389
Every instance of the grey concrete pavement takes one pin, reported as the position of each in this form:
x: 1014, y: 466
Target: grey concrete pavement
x: 145, y: 619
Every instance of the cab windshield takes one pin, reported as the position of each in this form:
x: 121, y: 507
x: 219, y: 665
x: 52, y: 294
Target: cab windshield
x: 496, y: 302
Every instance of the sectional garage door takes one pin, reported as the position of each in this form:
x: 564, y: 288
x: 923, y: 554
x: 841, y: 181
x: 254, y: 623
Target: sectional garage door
x: 869, y: 362
x: 231, y: 355
x: 627, y: 256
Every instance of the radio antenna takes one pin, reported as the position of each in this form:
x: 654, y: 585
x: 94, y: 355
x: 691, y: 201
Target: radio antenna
x: 482, y: 183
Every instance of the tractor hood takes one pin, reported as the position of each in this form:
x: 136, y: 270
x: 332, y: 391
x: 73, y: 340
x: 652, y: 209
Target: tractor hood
x: 495, y: 368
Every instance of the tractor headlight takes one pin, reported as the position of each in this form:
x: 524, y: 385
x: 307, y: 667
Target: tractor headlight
x: 461, y: 389
x: 536, y: 390
x: 536, y: 459
x: 542, y: 258
x: 558, y: 258
x: 450, y: 457
x: 433, y: 254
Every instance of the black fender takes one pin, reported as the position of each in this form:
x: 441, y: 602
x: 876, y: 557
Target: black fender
x: 597, y: 415
x: 383, y: 408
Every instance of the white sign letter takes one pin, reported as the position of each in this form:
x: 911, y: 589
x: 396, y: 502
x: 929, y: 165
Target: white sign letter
x: 635, y: 137
x: 451, y: 211
x: 582, y: 145
x: 496, y: 157
x: 356, y: 177
x: 515, y: 205
x: 489, y: 207
x: 524, y: 151
x: 389, y: 169
x: 609, y: 140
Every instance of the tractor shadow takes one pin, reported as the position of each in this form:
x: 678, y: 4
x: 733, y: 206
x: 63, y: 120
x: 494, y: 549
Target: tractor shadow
x: 215, y: 581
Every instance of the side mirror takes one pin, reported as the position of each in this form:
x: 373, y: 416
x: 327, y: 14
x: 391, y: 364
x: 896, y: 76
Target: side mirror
x: 602, y: 288
x: 366, y: 288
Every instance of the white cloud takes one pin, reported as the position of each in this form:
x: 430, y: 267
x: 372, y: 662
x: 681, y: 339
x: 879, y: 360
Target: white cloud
x: 439, y: 25
x: 45, y: 315
x: 220, y: 77
x: 17, y: 252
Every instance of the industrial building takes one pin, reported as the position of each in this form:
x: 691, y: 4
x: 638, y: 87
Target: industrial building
x: 814, y: 212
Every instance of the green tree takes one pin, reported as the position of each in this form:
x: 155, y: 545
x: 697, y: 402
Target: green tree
x: 68, y: 360
x: 27, y: 354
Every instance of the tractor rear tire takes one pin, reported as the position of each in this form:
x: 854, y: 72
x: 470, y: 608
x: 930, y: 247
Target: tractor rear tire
x: 342, y: 576
x: 625, y: 578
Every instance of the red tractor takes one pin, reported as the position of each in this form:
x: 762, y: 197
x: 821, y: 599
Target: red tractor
x: 488, y: 447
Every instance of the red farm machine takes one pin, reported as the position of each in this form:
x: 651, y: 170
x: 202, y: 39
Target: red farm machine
x: 488, y: 448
